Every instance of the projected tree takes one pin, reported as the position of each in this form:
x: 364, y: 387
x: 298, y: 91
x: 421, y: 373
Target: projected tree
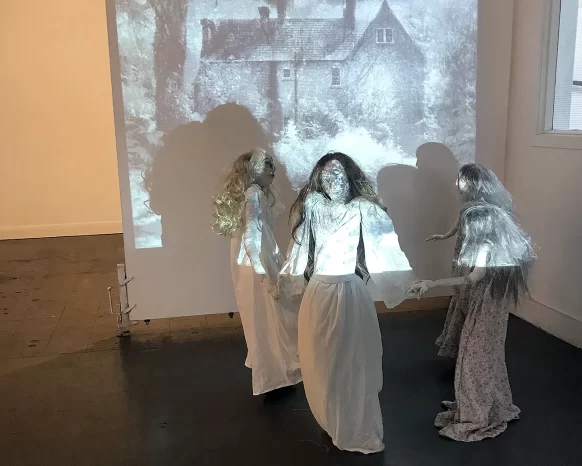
x: 169, y: 58
x: 446, y: 31
x: 459, y: 110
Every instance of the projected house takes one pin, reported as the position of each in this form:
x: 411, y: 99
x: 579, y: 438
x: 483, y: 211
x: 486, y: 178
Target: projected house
x: 314, y: 71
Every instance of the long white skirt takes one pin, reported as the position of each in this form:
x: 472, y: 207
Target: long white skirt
x: 270, y: 329
x: 340, y: 351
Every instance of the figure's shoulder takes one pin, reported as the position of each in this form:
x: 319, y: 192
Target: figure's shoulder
x: 373, y: 213
x: 366, y: 205
x: 314, y: 199
x: 254, y: 192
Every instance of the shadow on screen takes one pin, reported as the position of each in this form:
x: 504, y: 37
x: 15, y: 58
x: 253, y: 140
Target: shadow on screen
x: 423, y: 200
x: 183, y: 178
x: 287, y: 196
x: 184, y: 175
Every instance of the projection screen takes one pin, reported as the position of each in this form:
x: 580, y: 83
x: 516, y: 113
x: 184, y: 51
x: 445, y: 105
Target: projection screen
x: 198, y: 82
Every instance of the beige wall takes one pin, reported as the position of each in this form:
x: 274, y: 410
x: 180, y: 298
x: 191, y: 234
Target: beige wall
x: 58, y: 170
x: 546, y: 184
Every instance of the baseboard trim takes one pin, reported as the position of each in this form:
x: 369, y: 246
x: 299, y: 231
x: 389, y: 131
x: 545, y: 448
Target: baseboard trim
x: 61, y: 229
x: 225, y: 321
x: 552, y: 321
x: 424, y: 304
x: 547, y: 319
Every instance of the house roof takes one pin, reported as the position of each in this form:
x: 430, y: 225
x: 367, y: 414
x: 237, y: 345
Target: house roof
x: 274, y: 40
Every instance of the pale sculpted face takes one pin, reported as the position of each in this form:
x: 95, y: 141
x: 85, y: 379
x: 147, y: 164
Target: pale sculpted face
x: 334, y: 180
x: 263, y: 169
x: 461, y: 187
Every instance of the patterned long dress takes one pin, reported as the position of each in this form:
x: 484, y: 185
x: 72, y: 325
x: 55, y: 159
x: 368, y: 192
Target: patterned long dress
x: 483, y: 402
x: 448, y: 341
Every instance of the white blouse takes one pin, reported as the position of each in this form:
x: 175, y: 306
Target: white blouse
x: 336, y: 230
x: 255, y: 244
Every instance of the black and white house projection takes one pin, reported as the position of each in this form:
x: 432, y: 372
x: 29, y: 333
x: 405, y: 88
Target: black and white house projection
x: 372, y: 78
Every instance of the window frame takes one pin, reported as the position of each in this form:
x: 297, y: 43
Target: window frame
x: 339, y: 76
x: 287, y: 78
x: 545, y: 134
x: 384, y: 41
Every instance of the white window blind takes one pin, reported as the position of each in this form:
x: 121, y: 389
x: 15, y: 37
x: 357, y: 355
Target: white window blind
x: 567, y: 92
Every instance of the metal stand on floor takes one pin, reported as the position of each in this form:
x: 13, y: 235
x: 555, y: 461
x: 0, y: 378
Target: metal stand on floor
x: 123, y: 320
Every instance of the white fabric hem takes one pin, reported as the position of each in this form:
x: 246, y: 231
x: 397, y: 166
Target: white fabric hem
x: 359, y: 450
x: 277, y: 387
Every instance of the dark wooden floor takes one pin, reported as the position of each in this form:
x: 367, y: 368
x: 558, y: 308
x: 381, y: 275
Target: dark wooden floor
x: 71, y: 393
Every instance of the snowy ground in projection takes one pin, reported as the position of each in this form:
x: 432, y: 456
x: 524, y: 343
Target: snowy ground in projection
x: 374, y: 79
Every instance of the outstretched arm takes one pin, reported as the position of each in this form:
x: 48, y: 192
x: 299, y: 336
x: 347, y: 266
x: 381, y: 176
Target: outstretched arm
x: 477, y: 274
x: 452, y: 232
x: 387, y: 264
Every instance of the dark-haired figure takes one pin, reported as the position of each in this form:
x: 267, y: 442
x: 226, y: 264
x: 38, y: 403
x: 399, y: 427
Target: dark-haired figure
x: 494, y: 260
x: 341, y: 237
x: 475, y: 183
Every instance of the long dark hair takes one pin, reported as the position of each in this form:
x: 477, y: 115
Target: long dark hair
x: 360, y: 187
x: 483, y: 185
x: 510, y: 251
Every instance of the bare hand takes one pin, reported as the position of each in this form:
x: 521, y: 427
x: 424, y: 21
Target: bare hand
x: 272, y: 288
x: 435, y: 238
x: 420, y: 288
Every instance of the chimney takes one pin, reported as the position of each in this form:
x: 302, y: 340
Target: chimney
x: 264, y: 12
x: 281, y: 9
x: 350, y: 15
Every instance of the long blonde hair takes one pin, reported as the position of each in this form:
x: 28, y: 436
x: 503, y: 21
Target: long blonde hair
x: 229, y: 203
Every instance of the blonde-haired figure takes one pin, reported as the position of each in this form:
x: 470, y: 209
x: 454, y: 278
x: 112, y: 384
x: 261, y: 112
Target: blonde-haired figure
x: 245, y: 210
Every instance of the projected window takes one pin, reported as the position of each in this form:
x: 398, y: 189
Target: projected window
x: 385, y: 36
x: 563, y: 100
x: 335, y: 77
x: 303, y: 77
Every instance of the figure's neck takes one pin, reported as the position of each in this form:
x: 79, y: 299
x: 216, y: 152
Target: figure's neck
x: 342, y: 199
x: 265, y: 189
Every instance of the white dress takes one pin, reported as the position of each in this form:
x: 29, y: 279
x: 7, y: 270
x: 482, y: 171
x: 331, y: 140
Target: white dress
x: 270, y: 326
x: 340, y: 347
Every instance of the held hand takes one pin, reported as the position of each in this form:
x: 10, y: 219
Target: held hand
x: 420, y: 288
x: 271, y: 287
x: 435, y: 238
x: 280, y: 283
